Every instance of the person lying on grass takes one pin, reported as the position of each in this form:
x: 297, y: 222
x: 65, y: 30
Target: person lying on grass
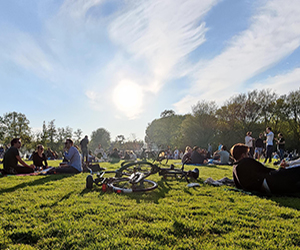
x: 73, y: 166
x: 12, y: 157
x: 251, y: 175
x: 290, y: 164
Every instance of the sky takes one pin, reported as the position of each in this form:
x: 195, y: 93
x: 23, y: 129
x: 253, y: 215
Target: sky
x: 117, y: 64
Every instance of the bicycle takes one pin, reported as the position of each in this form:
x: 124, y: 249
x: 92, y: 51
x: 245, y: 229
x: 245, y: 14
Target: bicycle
x: 137, y: 173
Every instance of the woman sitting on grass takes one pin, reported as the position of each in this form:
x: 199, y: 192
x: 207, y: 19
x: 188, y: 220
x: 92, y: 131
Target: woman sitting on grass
x: 39, y: 158
x: 251, y: 175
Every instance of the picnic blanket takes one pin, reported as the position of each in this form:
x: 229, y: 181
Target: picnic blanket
x: 42, y: 172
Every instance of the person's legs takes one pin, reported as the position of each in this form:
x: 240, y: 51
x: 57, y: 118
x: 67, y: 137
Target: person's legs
x: 23, y: 170
x: 269, y: 154
x: 284, y: 180
x: 64, y: 170
x: 281, y: 152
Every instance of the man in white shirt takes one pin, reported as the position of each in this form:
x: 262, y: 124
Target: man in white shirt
x: 269, y: 144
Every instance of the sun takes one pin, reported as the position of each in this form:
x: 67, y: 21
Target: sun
x: 128, y: 97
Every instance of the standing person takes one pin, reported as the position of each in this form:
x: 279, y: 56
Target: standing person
x: 12, y: 157
x: 280, y: 145
x: 269, y: 144
x: 84, y: 149
x: 209, y: 149
x: 73, y: 166
x: 259, y: 146
x: 249, y: 142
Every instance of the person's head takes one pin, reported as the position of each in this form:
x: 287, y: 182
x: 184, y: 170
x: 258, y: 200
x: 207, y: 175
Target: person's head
x: 223, y: 148
x: 188, y: 149
x: 248, y: 133
x: 280, y: 135
x: 260, y: 135
x: 69, y: 143
x: 86, y: 137
x: 239, y: 151
x: 40, y: 148
x: 195, y: 148
x: 268, y: 129
x: 16, y: 142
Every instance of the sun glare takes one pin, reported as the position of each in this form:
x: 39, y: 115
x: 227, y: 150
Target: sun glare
x: 127, y: 96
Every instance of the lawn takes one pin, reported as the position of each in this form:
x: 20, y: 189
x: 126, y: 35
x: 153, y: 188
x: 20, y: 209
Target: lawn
x: 57, y: 212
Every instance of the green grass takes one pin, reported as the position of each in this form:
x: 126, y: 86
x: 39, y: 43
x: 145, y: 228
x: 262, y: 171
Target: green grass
x: 57, y: 212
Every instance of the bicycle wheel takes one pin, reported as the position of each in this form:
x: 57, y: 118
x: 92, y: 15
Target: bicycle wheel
x: 142, y: 167
x: 89, y: 182
x: 120, y: 185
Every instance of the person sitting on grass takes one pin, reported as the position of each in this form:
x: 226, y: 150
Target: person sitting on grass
x: 251, y: 175
x: 187, y: 155
x: 39, y: 158
x: 114, y: 156
x: 223, y: 156
x: 198, y: 156
x: 72, y: 155
x: 12, y: 157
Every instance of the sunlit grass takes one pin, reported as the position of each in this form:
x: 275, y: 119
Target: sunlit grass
x: 57, y: 212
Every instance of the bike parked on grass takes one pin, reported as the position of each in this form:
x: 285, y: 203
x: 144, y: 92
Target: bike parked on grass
x: 132, y: 176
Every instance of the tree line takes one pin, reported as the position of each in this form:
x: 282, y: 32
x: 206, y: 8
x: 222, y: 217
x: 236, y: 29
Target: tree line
x: 207, y: 123
x: 228, y: 124
x: 14, y: 124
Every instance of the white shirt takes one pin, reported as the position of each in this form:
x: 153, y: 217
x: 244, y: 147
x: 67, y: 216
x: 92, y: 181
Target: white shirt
x: 270, y: 138
x: 248, y: 141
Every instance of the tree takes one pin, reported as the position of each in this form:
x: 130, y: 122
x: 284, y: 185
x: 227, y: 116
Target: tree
x: 167, y: 113
x: 164, y: 132
x: 100, y: 136
x: 200, y: 128
x: 78, y: 135
x: 293, y: 109
x: 13, y: 125
x: 52, y: 132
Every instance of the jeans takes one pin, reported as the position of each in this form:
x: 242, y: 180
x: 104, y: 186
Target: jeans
x: 269, y: 153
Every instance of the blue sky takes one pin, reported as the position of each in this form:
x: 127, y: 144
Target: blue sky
x: 117, y: 65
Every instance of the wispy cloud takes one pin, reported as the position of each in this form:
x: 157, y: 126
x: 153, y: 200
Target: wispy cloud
x: 273, y: 35
x: 156, y: 36
x: 281, y: 84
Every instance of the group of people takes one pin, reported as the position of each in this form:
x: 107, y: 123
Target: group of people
x: 197, y: 155
x: 13, y: 163
x: 265, y: 146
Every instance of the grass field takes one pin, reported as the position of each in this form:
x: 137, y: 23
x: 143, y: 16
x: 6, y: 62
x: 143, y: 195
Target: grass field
x: 57, y: 212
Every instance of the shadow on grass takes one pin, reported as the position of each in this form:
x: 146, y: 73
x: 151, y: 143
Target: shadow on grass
x: 285, y: 200
x: 291, y: 201
x: 39, y: 181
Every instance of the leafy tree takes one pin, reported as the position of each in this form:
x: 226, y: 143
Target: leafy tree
x: 200, y: 128
x: 293, y: 108
x: 13, y: 125
x: 167, y: 113
x: 78, y: 135
x: 164, y: 132
x: 100, y: 136
x: 52, y: 132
